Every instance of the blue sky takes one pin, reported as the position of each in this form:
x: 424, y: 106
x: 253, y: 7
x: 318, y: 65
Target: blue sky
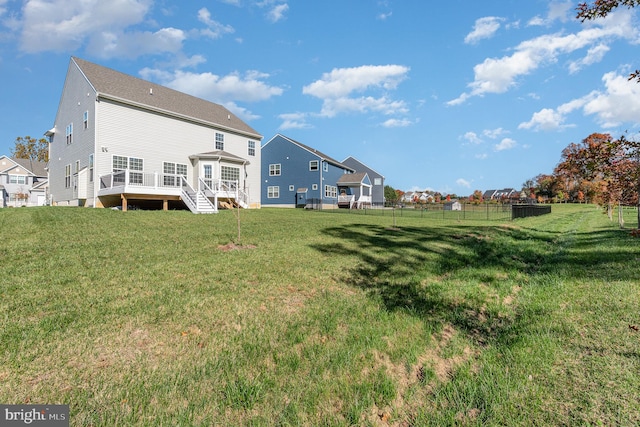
x: 451, y: 96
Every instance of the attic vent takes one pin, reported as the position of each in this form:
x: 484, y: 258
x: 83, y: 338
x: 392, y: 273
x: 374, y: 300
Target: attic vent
x: 150, y: 91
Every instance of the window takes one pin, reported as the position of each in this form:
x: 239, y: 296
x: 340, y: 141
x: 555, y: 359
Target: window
x: 77, y: 169
x: 208, y: 175
x: 17, y: 179
x: 121, y: 163
x: 219, y: 141
x: 313, y: 165
x: 90, y: 167
x: 171, y: 172
x: 85, y: 120
x: 291, y: 188
x: 325, y: 166
x: 274, y: 169
x: 273, y: 192
x: 67, y: 176
x: 330, y: 191
x: 314, y: 186
x: 377, y: 181
x: 69, y: 133
x: 228, y: 173
x: 251, y: 148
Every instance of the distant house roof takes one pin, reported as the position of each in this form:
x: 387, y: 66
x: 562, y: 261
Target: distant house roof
x: 316, y: 152
x: 117, y: 86
x: 35, y: 167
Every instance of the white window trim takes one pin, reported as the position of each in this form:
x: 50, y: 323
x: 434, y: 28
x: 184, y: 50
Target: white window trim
x: 314, y: 168
x: 273, y: 192
x: 275, y: 167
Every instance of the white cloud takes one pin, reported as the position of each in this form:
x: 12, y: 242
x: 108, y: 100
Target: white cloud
x: 498, y: 75
x: 335, y: 88
x: 215, y: 29
x: 558, y: 11
x: 397, y: 123
x: 620, y: 103
x: 494, y: 133
x: 505, y: 144
x: 294, y: 121
x: 484, y: 28
x: 62, y: 25
x: 276, y: 13
x: 342, y: 81
x: 226, y: 90
x: 131, y: 45
x: 472, y: 137
x: 463, y: 183
x: 3, y: 9
x: 545, y: 119
x: 232, y: 87
x: 594, y: 54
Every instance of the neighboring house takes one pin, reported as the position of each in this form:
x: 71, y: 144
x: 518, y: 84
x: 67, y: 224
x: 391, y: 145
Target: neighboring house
x: 23, y: 182
x: 119, y: 140
x: 410, y: 197
x: 377, y: 180
x: 452, y: 205
x: 505, y: 194
x: 296, y: 175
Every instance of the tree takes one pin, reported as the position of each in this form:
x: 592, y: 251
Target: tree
x: 477, y: 197
x: 31, y: 148
x: 390, y: 195
x: 600, y: 9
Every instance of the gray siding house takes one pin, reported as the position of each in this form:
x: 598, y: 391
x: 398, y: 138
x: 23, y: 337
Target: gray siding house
x: 377, y: 179
x: 23, y: 182
x: 119, y: 140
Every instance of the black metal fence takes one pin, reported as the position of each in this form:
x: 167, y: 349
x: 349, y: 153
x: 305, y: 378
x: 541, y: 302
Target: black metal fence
x: 524, y: 211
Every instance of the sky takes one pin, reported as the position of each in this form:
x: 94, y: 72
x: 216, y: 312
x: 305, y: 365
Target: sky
x: 450, y: 96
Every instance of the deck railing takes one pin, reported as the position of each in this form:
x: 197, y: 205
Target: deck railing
x: 139, y: 179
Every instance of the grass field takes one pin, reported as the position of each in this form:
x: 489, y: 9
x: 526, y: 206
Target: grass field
x: 320, y: 319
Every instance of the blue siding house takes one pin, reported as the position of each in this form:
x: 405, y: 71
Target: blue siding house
x: 296, y: 175
x: 377, y: 180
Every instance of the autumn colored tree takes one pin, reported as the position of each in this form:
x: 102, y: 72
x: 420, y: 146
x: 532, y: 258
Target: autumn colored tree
x: 476, y: 197
x: 602, y: 169
x: 31, y: 148
x: 545, y: 186
x: 600, y: 9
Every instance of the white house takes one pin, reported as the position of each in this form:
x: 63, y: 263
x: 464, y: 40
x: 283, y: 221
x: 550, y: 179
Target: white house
x: 23, y: 182
x: 119, y: 140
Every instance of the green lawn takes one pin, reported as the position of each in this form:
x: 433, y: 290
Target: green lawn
x: 142, y: 319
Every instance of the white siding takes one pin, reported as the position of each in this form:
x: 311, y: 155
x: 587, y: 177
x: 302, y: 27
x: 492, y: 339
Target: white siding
x: 132, y: 132
x: 77, y: 97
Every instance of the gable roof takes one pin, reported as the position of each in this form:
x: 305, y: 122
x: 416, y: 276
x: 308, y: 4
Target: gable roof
x: 33, y: 167
x: 219, y: 155
x: 354, y: 178
x: 353, y: 160
x: 117, y: 86
x: 314, y: 151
